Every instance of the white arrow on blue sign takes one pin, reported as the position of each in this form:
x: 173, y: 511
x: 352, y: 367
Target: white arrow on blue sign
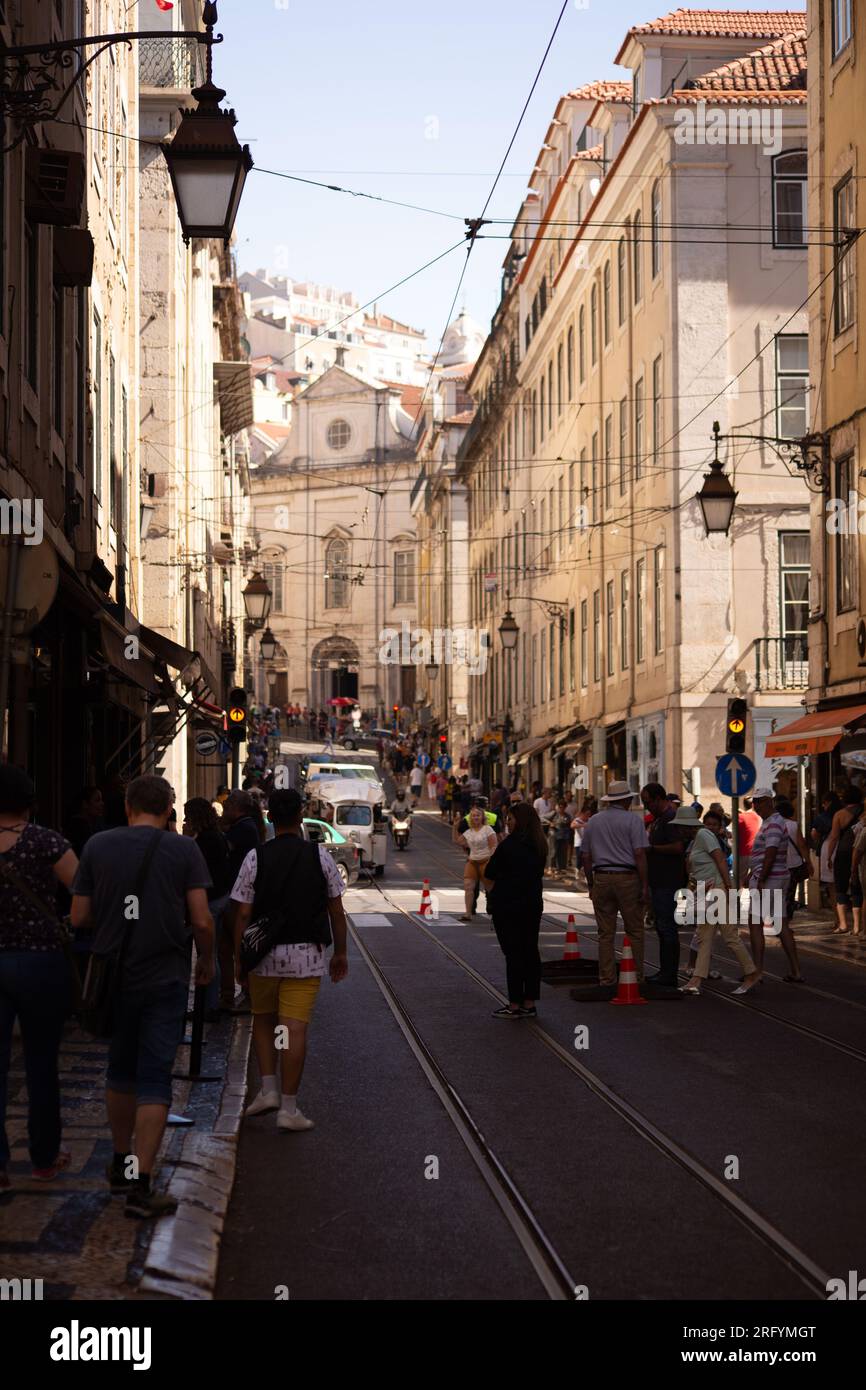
x: 735, y: 774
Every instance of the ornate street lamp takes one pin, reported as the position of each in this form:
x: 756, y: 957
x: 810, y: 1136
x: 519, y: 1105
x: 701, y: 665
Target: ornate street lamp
x: 717, y: 496
x: 207, y: 165
x: 432, y: 670
x: 268, y: 645
x: 257, y: 599
x: 509, y: 631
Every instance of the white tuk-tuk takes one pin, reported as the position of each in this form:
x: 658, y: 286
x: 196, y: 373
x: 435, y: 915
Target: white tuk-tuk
x: 356, y: 808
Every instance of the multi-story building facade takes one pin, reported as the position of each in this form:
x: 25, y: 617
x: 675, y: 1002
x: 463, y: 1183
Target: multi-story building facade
x: 337, y: 541
x: 655, y: 283
x: 837, y: 443
x: 308, y: 328
x: 439, y: 506
x: 93, y: 692
x: 195, y: 401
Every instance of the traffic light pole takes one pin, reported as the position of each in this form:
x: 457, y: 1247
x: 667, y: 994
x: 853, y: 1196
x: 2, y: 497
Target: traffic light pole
x: 735, y: 821
x: 236, y: 767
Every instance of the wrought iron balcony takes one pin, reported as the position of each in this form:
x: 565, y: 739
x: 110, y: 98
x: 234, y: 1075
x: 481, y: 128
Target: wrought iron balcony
x: 782, y: 663
x: 169, y: 63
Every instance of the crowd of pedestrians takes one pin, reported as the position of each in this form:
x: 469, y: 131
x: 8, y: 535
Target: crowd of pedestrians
x: 160, y: 912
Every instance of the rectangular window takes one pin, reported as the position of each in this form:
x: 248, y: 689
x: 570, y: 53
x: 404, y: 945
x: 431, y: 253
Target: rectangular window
x: 59, y: 360
x: 525, y: 671
x: 584, y: 643
x: 623, y: 445
x: 659, y: 598
x: 792, y: 385
x: 525, y: 529
x: 560, y: 539
x: 31, y: 303
x: 559, y: 380
x: 637, y: 248
x: 582, y: 513
x: 841, y: 25
x: 605, y: 303
x: 534, y: 680
x: 623, y: 620
x: 79, y: 378
x: 657, y: 409
x: 596, y: 635
x: 550, y: 394
x: 638, y: 428
x: 113, y: 482
x: 273, y: 573
x: 124, y: 466
x: 640, y: 609
x: 551, y: 647
x: 541, y: 393
x: 789, y: 198
x: 595, y: 498
x: 608, y: 461
x: 96, y: 388
x: 570, y: 527
x: 843, y: 223
x: 794, y: 571
x: 846, y: 542
x: 544, y: 666
x: 404, y: 576
x: 611, y: 625
x: 571, y: 649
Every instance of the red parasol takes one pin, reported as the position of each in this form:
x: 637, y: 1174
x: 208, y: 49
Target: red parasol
x: 342, y: 700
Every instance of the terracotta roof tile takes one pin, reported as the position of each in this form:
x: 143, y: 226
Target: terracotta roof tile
x: 602, y: 91
x: 735, y: 24
x: 464, y: 418
x: 778, y: 66
x: 596, y: 153
x: 390, y: 325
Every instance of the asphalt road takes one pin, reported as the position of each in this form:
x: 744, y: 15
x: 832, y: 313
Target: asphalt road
x: 694, y: 1149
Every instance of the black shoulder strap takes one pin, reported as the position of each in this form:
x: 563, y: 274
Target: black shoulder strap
x: 140, y: 880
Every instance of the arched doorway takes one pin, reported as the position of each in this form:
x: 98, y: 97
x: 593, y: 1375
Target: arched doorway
x: 334, y: 669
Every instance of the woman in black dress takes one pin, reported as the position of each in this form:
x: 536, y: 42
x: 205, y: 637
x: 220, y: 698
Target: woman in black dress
x: 516, y: 870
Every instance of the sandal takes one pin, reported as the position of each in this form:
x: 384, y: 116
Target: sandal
x: 690, y: 989
x: 794, y: 980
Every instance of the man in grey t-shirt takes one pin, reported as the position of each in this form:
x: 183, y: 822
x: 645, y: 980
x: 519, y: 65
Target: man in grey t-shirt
x: 150, y: 920
x: 613, y: 852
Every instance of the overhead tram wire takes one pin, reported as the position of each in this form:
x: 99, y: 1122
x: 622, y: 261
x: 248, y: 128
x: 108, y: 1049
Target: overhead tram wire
x: 473, y: 227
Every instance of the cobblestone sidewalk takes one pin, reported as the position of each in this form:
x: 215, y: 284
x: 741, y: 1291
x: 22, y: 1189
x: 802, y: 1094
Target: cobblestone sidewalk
x: 72, y: 1234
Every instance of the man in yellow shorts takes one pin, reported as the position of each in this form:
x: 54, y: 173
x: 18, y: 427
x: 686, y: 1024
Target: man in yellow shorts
x: 297, y: 883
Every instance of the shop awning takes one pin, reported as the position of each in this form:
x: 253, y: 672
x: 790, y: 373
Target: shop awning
x: 570, y: 739
x: 814, y: 733
x: 533, y: 747
x: 116, y: 650
x: 174, y: 655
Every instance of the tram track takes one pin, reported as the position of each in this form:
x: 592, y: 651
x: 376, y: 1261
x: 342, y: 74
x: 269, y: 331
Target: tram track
x: 811, y: 1275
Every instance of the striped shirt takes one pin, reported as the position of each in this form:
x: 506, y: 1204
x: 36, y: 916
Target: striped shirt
x: 772, y: 834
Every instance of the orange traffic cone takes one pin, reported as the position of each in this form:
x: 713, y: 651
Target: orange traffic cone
x: 628, y: 992
x: 426, y: 908
x: 572, y: 944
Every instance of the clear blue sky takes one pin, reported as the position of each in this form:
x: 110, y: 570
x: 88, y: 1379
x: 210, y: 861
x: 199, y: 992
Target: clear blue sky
x: 348, y: 93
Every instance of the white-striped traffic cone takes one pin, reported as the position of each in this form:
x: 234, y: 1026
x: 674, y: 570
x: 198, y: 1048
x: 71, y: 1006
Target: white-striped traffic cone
x: 426, y: 908
x: 572, y: 944
x: 628, y: 992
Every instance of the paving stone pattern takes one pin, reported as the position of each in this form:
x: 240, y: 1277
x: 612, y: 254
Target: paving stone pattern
x: 72, y: 1234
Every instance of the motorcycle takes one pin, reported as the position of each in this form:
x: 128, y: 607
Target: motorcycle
x: 400, y: 829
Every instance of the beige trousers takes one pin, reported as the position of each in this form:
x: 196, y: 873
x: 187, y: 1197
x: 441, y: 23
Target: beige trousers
x: 731, y: 937
x: 613, y: 893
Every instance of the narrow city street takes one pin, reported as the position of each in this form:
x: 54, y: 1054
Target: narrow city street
x: 681, y: 1154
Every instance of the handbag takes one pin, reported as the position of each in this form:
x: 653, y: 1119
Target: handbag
x: 261, y: 935
x: 104, y: 973
x: 64, y: 931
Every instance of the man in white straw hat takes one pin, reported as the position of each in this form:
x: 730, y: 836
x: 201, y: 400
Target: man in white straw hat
x: 614, y: 854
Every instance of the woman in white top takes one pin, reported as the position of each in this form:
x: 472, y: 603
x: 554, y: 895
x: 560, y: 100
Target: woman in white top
x: 479, y: 839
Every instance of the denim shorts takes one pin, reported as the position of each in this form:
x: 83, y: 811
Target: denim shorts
x: 149, y: 1026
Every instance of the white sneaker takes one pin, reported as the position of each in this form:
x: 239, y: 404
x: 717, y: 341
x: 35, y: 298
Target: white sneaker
x: 265, y: 1100
x: 296, y: 1121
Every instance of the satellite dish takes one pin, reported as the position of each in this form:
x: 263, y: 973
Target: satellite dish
x: 36, y: 589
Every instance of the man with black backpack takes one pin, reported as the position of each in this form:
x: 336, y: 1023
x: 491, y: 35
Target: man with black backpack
x: 291, y: 892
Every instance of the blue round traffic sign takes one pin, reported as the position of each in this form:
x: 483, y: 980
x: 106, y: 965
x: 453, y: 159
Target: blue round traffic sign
x: 735, y: 774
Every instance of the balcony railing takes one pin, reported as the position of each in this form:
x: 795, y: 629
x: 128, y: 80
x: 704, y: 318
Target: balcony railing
x: 169, y: 63
x: 782, y: 663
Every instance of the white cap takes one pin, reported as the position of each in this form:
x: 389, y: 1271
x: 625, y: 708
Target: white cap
x: 763, y: 794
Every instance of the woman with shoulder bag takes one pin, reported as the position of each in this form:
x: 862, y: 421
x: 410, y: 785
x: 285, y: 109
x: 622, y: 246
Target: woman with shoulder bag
x: 35, y: 976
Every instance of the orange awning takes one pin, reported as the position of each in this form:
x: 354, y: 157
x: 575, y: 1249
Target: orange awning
x: 815, y: 733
